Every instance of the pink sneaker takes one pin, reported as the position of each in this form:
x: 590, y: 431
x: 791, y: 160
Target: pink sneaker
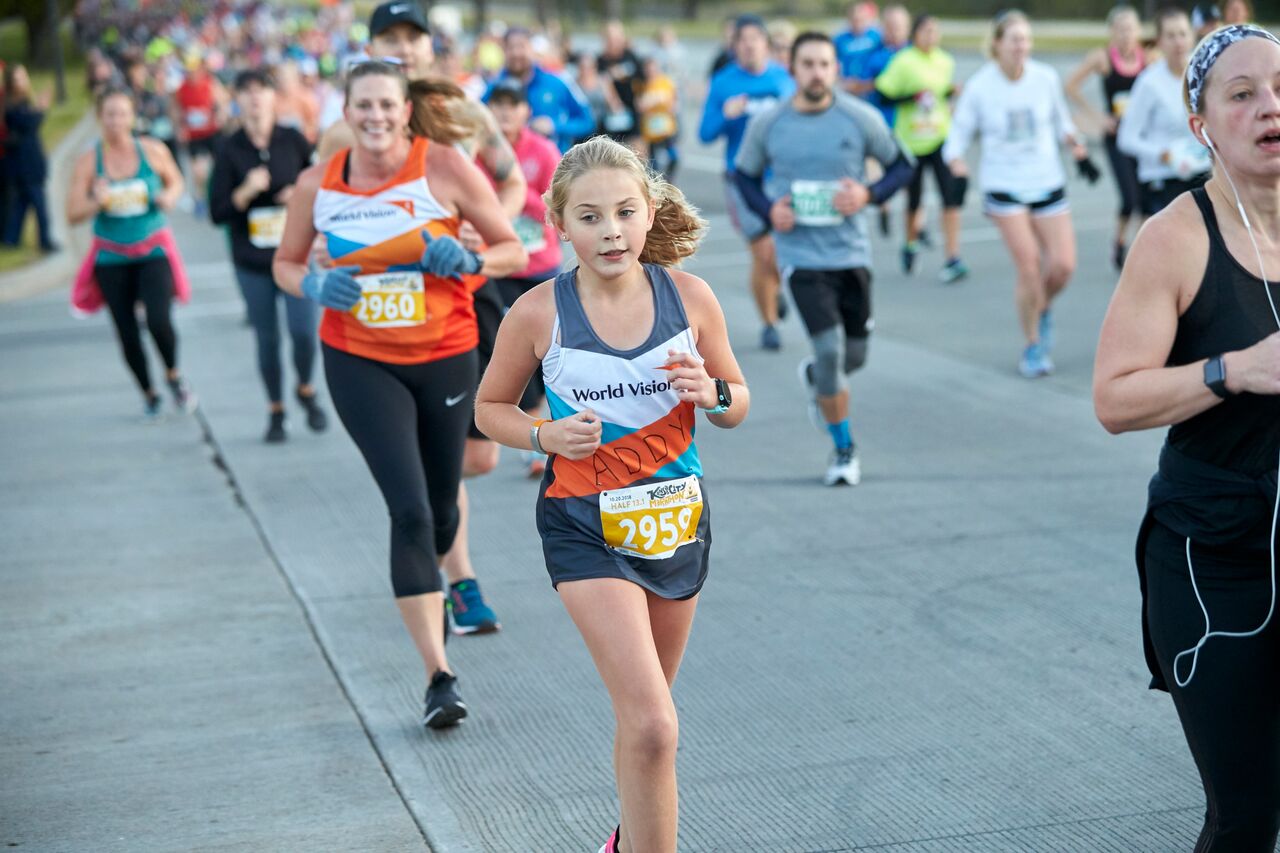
x: 611, y: 846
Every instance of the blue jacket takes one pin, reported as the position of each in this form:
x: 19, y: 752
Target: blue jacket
x: 763, y: 90
x: 559, y: 100
x: 24, y: 158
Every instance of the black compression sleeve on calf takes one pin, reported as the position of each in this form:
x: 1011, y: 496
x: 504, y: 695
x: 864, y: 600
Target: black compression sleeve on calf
x: 752, y: 190
x: 897, y: 176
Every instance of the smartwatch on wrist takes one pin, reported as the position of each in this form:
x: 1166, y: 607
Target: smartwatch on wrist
x: 1215, y: 376
x: 724, y: 398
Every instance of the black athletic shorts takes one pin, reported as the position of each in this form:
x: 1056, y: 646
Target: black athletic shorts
x: 1038, y: 205
x: 826, y: 298
x: 207, y: 146
x: 489, y: 310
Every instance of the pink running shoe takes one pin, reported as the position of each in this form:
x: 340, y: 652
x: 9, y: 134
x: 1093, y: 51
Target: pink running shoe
x: 611, y: 846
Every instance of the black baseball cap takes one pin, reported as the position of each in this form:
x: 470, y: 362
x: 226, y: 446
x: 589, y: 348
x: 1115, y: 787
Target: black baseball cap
x: 397, y: 12
x: 508, y: 89
x: 745, y: 20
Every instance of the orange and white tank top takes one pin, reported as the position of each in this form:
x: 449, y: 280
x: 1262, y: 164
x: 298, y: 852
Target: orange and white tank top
x: 405, y: 316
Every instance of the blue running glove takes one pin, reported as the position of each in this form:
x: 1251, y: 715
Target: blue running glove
x: 445, y: 257
x: 333, y: 288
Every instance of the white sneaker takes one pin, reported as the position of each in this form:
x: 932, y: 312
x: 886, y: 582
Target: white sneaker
x: 844, y: 470
x: 804, y: 372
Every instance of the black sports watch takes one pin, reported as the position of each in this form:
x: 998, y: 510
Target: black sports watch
x: 724, y: 398
x: 1215, y: 376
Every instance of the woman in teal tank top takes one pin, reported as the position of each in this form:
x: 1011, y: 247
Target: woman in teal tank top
x: 126, y: 185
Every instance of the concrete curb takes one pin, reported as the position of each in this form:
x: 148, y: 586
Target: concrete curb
x: 57, y: 269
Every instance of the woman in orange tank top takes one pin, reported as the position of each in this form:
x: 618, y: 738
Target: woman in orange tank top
x: 399, y: 331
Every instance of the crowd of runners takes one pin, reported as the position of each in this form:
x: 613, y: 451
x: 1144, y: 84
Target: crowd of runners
x: 478, y: 238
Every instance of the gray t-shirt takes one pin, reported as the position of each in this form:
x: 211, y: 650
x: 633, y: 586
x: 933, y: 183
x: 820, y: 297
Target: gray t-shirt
x: 806, y: 154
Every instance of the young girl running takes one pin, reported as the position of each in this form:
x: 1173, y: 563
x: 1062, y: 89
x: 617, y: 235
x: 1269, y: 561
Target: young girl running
x: 629, y: 351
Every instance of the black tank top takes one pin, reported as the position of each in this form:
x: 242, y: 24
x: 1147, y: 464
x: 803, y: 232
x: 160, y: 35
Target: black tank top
x: 1231, y: 312
x: 1116, y: 86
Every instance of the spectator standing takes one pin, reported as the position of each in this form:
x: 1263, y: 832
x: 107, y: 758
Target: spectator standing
x: 24, y: 161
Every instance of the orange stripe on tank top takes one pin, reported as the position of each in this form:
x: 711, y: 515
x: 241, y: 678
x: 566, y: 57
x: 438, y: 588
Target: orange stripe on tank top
x: 627, y: 460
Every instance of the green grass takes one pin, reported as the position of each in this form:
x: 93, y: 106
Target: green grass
x: 57, y: 123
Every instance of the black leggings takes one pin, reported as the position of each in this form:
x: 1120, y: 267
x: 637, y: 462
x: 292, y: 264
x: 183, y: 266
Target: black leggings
x: 122, y: 286
x: 1125, y: 170
x: 261, y: 298
x: 511, y: 290
x: 410, y: 423
x: 1230, y: 711
x: 951, y: 188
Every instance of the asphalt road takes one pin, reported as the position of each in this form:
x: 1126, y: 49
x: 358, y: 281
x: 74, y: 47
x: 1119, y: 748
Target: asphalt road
x: 201, y: 650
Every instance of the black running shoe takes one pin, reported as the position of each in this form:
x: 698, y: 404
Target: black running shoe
x: 1118, y: 254
x: 317, y: 420
x: 444, y: 707
x: 275, y: 429
x: 782, y: 305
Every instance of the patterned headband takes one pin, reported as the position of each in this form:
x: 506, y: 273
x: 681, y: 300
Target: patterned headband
x: 1210, y: 48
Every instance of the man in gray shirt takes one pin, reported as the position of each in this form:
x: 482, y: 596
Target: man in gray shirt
x: 802, y: 165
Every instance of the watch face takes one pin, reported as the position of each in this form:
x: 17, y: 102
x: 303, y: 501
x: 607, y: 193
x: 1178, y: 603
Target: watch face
x: 722, y: 391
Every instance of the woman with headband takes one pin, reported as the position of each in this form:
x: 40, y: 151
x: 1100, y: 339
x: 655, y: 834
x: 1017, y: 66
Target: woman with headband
x: 1191, y: 342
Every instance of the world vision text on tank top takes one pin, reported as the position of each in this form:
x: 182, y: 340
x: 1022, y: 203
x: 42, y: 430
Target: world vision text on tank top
x: 405, y: 315
x: 635, y: 508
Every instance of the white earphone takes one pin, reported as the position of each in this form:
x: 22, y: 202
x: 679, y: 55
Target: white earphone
x: 1209, y: 633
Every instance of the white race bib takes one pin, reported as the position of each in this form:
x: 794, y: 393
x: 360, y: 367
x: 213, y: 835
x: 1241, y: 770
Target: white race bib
x: 391, y: 299
x: 654, y: 520
x: 266, y: 226
x: 814, y: 202
x: 531, y: 233
x: 127, y: 198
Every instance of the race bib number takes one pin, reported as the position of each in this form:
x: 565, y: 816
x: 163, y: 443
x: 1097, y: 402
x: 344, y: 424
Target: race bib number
x: 127, y: 198
x: 1119, y: 103
x: 1189, y: 158
x: 658, y: 126
x: 198, y: 119
x: 619, y: 122
x: 266, y: 226
x: 814, y: 202
x: 531, y: 233
x: 162, y: 127
x: 654, y: 520
x: 923, y: 118
x: 1020, y: 126
x: 391, y: 300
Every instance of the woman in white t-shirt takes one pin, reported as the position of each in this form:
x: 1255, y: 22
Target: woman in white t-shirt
x: 1155, y: 128
x: 1015, y: 105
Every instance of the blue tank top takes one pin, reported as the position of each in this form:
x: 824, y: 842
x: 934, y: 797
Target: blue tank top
x: 130, y: 214
x: 639, y: 495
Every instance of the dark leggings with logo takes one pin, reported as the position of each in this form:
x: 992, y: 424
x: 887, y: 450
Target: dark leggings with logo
x: 1230, y: 711
x: 410, y: 423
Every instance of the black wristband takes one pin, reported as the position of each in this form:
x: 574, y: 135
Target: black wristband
x: 1215, y: 376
